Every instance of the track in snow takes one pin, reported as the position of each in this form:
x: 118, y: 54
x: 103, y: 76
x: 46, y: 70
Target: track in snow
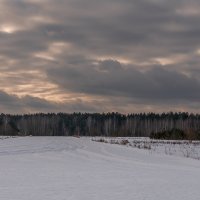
x: 66, y: 168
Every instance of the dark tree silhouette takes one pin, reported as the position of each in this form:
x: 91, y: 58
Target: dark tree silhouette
x: 105, y: 124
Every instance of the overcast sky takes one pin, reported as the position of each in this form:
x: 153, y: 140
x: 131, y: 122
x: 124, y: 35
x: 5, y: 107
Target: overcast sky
x: 99, y: 56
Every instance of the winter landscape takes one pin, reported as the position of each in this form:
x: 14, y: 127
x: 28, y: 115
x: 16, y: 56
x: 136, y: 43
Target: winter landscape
x: 70, y: 168
x: 99, y: 100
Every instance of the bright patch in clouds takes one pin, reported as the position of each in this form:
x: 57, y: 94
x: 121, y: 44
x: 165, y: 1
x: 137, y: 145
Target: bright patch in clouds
x: 8, y: 29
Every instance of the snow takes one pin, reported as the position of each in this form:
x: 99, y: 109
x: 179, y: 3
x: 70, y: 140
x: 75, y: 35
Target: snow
x: 183, y: 148
x: 68, y: 168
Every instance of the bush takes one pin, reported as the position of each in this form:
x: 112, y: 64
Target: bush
x: 193, y: 135
x: 124, y: 142
x: 174, y: 134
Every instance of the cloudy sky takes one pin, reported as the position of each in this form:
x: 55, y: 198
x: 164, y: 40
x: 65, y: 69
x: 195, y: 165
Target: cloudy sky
x: 99, y: 56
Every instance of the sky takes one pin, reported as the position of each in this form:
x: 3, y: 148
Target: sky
x: 99, y: 56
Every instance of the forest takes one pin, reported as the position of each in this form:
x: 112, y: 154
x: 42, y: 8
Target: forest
x: 96, y: 124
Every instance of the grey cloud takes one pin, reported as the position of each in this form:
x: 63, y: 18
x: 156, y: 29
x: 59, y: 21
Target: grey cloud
x: 9, y: 103
x: 136, y: 27
x: 113, y: 80
x: 138, y: 31
x: 28, y: 104
x: 130, y: 29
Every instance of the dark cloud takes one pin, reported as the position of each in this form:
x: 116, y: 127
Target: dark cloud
x: 141, y: 51
x: 110, y: 78
x: 9, y: 103
x: 110, y: 27
x: 28, y: 104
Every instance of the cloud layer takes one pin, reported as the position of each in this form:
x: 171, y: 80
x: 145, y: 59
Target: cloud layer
x: 98, y: 56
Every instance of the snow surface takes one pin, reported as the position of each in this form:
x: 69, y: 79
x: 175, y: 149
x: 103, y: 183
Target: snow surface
x: 183, y: 148
x: 67, y: 168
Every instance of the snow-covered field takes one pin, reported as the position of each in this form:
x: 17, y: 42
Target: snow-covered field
x: 67, y: 168
x: 183, y: 148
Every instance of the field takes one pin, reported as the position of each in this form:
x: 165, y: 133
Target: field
x: 183, y: 148
x: 69, y: 168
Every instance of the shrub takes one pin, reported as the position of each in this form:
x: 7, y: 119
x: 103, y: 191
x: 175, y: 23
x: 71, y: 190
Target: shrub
x: 124, y: 142
x: 174, y: 134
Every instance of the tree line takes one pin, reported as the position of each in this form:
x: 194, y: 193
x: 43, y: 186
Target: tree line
x: 96, y: 124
